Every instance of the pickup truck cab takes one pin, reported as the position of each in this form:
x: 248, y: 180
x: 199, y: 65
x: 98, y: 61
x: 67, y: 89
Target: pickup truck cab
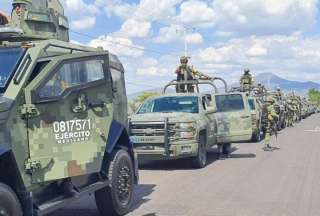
x: 174, y: 126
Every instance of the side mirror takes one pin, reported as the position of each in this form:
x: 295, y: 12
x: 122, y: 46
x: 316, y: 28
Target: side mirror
x: 211, y: 109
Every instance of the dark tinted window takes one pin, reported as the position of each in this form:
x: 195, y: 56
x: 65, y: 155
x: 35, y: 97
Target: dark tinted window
x: 72, y: 74
x: 171, y: 104
x: 252, y: 104
x: 226, y: 103
x: 9, y: 58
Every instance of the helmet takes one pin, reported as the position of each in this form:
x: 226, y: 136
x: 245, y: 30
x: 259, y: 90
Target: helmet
x: 246, y: 71
x: 184, y: 60
x: 22, y: 2
x: 278, y: 88
x: 259, y: 84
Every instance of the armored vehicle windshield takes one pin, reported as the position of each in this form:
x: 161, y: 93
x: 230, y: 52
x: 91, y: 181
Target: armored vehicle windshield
x: 9, y: 59
x: 188, y: 104
x: 227, y: 103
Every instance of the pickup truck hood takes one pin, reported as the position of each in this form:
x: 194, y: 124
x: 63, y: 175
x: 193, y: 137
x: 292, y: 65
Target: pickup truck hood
x: 172, y: 117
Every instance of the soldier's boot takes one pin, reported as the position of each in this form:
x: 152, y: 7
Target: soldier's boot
x: 69, y: 189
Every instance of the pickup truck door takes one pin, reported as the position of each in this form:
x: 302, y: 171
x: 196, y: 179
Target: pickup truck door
x: 234, y: 123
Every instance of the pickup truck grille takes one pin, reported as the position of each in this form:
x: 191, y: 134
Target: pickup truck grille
x: 142, y: 129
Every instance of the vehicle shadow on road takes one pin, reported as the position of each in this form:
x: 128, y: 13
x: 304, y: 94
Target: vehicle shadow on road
x: 141, y: 192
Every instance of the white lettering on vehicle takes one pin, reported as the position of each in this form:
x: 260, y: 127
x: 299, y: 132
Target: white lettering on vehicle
x: 72, y: 131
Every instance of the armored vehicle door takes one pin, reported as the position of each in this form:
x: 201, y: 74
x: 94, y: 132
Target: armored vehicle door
x: 69, y: 112
x: 233, y: 117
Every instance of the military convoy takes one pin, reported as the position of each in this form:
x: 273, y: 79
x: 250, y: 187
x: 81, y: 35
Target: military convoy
x: 63, y: 118
x: 64, y: 126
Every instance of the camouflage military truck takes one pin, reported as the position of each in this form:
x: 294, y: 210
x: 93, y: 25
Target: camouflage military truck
x: 185, y: 125
x: 256, y: 107
x: 63, y: 118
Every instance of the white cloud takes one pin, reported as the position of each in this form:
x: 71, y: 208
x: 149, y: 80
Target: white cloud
x: 118, y: 46
x: 197, y: 13
x: 152, y: 71
x: 121, y: 9
x: 257, y: 50
x: 264, y: 16
x: 288, y: 56
x: 194, y: 38
x: 79, y: 7
x: 83, y: 23
x: 135, y: 28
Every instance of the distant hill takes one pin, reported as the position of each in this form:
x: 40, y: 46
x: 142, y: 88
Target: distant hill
x: 270, y: 80
x: 273, y: 81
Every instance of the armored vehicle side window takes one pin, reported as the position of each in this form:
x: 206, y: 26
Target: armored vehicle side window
x: 9, y: 59
x: 227, y: 103
x: 72, y: 74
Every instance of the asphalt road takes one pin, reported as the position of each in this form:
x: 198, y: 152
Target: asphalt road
x: 284, y: 182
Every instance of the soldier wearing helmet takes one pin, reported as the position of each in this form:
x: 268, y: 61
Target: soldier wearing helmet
x: 279, y: 94
x: 271, y: 122
x: 246, y: 81
x: 18, y: 6
x: 184, y: 73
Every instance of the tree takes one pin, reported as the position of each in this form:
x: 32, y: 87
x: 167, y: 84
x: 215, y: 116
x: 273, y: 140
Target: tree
x: 314, y: 96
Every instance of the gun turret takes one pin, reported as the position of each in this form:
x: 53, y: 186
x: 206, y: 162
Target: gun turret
x: 35, y: 20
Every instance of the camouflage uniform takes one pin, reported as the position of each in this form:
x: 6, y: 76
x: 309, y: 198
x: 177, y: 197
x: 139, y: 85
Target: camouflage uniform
x: 246, y: 81
x: 279, y: 94
x: 271, y: 121
x: 184, y: 73
x: 291, y: 111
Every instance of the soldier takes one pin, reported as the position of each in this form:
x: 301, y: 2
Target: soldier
x: 291, y: 112
x: 18, y: 6
x: 279, y: 94
x: 184, y: 73
x: 246, y: 81
x: 271, y: 122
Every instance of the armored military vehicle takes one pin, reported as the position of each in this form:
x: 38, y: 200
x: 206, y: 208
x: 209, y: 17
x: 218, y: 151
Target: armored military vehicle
x: 63, y: 118
x: 185, y: 125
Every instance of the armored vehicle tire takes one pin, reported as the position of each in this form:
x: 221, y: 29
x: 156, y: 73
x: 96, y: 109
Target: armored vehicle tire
x: 200, y: 160
x: 9, y: 203
x: 116, y: 200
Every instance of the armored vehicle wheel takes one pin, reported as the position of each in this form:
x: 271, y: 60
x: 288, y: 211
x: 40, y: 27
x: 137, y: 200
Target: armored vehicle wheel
x: 9, y: 203
x: 200, y: 160
x: 116, y: 199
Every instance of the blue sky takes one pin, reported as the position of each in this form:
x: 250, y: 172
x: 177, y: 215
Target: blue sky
x: 223, y: 36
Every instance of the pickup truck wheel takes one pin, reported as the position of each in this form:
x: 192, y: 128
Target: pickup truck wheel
x: 200, y: 160
x: 226, y: 149
x: 257, y: 136
x: 9, y: 203
x: 116, y: 199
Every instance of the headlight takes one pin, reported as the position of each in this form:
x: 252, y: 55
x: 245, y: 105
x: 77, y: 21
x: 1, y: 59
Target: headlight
x: 186, y: 135
x: 188, y: 125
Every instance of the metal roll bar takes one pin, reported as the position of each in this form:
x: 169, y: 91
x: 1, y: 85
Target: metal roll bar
x: 192, y: 82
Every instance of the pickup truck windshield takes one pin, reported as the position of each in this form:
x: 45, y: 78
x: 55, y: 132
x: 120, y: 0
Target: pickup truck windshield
x: 9, y: 58
x: 188, y: 104
x: 228, y: 103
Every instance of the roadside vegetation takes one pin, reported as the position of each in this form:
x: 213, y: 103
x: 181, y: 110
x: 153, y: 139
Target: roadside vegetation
x: 314, y: 96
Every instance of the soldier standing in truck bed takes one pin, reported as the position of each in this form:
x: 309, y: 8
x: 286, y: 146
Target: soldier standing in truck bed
x: 246, y: 81
x: 184, y: 73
